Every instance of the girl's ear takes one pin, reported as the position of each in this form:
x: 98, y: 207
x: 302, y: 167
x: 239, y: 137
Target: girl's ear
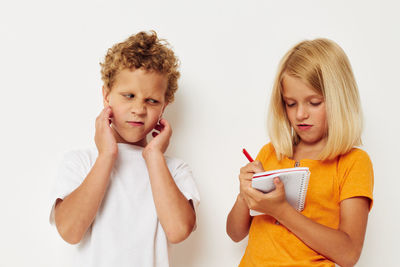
x: 106, y: 96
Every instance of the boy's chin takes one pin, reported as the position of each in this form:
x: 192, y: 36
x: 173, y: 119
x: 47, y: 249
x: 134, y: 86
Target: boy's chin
x: 132, y: 139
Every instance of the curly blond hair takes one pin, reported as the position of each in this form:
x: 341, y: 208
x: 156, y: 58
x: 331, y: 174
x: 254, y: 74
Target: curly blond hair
x: 142, y: 50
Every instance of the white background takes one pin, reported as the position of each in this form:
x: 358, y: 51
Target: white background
x: 51, y: 93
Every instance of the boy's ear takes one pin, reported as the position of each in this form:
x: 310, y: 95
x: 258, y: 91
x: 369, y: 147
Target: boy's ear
x: 162, y: 111
x: 165, y: 105
x: 106, y: 94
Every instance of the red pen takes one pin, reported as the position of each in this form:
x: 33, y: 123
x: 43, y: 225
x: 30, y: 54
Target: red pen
x: 247, y: 155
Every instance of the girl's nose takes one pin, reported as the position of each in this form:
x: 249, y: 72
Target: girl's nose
x: 302, y: 113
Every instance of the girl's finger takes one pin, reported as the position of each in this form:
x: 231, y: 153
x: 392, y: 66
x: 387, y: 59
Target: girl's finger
x: 258, y: 167
x: 278, y: 184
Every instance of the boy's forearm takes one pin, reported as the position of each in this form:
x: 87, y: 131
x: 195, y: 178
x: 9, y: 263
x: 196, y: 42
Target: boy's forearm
x: 175, y: 212
x: 75, y: 214
x: 239, y: 220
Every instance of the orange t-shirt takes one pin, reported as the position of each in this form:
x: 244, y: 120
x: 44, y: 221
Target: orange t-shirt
x: 349, y: 175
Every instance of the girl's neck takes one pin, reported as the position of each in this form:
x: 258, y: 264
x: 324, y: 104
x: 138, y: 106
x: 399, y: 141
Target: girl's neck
x: 308, y: 151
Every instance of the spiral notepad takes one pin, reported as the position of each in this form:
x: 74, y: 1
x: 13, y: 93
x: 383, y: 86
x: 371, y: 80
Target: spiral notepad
x: 295, y: 181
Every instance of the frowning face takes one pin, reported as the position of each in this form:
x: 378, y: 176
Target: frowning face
x: 137, y: 100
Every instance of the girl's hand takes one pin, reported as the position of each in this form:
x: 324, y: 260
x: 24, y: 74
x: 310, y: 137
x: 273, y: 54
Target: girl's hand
x: 245, y: 177
x: 272, y: 203
x: 160, y: 141
x: 104, y: 138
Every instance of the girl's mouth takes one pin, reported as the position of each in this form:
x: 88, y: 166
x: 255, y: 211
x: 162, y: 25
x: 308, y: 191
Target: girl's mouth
x: 304, y: 126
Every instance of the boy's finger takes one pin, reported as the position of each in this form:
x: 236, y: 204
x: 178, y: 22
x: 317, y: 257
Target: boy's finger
x: 107, y: 114
x: 159, y: 127
x: 101, y: 114
x: 165, y: 124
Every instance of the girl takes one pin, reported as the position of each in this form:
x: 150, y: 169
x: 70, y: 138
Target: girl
x: 314, y: 121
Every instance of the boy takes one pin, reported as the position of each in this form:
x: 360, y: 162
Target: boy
x: 125, y: 201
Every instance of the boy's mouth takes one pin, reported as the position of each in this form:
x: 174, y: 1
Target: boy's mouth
x: 135, y: 123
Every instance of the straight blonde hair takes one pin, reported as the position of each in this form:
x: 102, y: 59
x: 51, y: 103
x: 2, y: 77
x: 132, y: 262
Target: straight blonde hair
x: 324, y: 66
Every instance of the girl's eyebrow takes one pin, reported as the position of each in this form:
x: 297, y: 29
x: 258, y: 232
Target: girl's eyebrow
x: 307, y: 97
x: 285, y: 98
x: 315, y: 96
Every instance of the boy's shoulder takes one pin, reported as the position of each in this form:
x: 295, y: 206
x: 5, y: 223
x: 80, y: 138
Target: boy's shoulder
x: 85, y: 156
x: 176, y: 165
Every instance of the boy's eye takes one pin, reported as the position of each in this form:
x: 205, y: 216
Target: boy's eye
x: 130, y: 96
x: 152, y: 101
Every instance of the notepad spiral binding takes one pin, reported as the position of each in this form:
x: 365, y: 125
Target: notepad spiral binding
x: 303, y: 191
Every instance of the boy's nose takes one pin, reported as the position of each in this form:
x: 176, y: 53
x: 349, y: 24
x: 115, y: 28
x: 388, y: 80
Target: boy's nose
x: 138, y: 108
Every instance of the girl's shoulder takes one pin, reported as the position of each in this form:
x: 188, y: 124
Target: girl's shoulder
x: 355, y: 152
x: 355, y: 156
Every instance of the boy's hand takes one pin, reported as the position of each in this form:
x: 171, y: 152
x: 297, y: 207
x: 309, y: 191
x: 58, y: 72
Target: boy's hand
x: 246, y: 175
x: 104, y: 137
x: 160, y: 140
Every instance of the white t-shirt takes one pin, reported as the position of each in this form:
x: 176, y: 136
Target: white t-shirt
x: 126, y: 230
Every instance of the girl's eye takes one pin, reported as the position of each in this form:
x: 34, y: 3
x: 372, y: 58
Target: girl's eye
x: 315, y: 103
x: 290, y: 104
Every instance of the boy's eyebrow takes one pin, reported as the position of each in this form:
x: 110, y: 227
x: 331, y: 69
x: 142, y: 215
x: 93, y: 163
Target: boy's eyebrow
x: 148, y: 95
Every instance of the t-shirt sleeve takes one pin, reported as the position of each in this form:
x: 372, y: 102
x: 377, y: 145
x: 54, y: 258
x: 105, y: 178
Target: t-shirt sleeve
x: 184, y: 180
x: 264, y: 153
x: 71, y: 173
x: 357, y: 179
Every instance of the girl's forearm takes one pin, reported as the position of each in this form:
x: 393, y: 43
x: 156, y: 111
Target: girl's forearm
x: 239, y: 220
x: 76, y: 212
x: 336, y: 245
x: 175, y: 212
